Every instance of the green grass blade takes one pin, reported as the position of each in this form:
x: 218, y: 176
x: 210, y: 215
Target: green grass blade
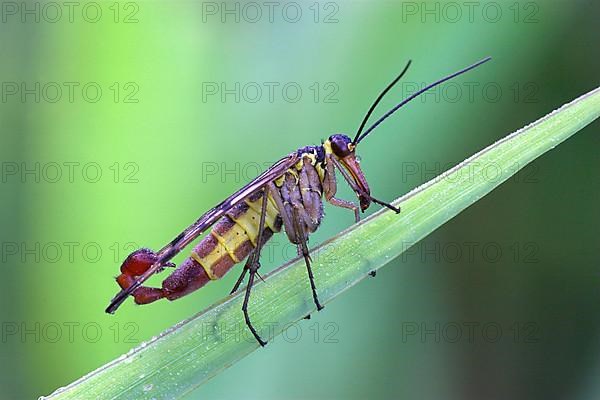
x: 192, y: 352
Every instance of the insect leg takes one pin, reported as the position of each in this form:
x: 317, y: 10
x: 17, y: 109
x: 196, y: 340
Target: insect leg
x: 286, y: 217
x: 242, y: 275
x: 295, y: 232
x: 357, y: 190
x: 203, y: 223
x: 301, y: 235
x: 330, y: 189
x: 311, y: 189
x: 261, y: 228
x: 345, y: 204
x: 387, y: 205
x: 253, y: 266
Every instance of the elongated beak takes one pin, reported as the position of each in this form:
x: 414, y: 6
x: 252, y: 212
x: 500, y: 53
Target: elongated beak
x: 363, y: 191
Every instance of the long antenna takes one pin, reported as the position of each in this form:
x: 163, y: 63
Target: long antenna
x: 366, y: 118
x: 414, y: 95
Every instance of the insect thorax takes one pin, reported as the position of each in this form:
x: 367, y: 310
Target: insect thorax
x: 316, y: 153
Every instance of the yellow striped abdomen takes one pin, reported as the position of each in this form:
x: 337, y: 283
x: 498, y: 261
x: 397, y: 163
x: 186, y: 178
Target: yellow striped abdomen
x: 235, y: 235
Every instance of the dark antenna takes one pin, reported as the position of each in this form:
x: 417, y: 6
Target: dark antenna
x: 358, y: 138
x: 366, y: 118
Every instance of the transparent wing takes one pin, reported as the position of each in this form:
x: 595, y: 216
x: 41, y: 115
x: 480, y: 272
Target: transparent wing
x: 205, y: 222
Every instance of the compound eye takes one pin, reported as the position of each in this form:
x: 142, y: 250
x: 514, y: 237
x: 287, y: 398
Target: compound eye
x: 340, y: 145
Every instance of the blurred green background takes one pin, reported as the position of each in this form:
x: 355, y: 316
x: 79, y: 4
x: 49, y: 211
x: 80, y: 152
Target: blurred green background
x: 123, y: 122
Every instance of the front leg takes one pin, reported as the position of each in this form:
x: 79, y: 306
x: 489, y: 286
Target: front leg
x: 330, y: 189
x: 358, y: 191
x: 345, y: 204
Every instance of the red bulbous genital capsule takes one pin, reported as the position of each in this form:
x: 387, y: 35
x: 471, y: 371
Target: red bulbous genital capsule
x: 138, y: 262
x: 134, y: 265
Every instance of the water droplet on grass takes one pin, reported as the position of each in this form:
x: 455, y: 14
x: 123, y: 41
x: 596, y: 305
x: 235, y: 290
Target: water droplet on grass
x: 148, y: 387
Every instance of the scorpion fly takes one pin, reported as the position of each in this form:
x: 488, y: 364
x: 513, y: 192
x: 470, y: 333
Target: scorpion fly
x: 287, y: 196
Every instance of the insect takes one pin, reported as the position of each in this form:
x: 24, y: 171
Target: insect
x: 288, y: 195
